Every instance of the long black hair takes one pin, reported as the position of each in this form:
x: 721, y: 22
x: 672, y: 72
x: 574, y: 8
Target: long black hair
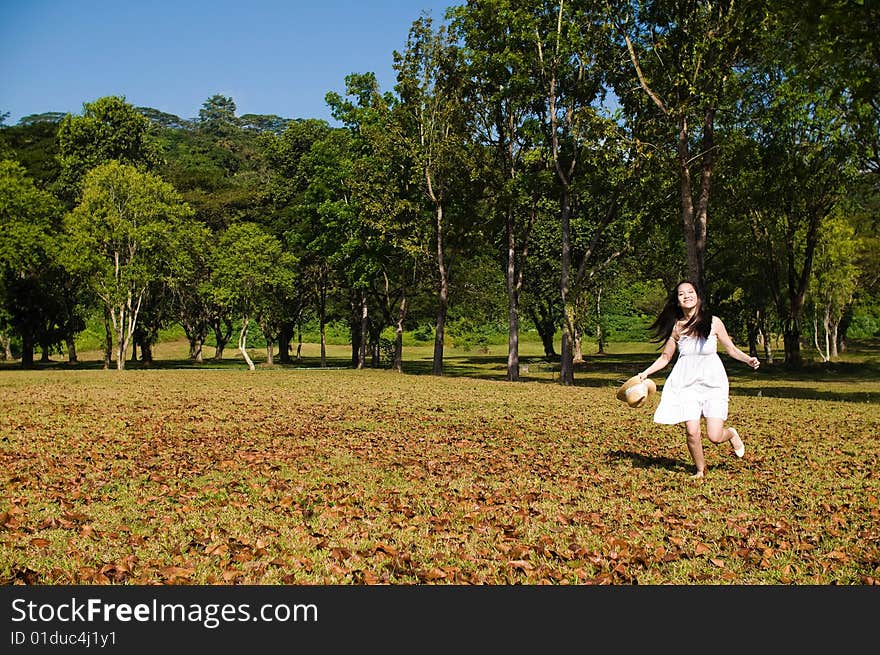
x: 700, y: 323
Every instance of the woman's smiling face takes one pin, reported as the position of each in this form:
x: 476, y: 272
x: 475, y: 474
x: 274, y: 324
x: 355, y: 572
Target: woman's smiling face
x: 687, y: 296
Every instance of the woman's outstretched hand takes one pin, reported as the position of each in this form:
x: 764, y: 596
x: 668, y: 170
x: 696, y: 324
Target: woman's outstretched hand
x: 753, y: 362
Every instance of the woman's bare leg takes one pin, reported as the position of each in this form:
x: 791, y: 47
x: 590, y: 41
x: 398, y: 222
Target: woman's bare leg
x: 717, y: 433
x: 695, y: 446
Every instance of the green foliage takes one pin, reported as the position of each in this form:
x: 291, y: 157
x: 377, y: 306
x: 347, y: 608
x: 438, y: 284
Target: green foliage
x: 163, y: 119
x: 217, y: 115
x: 865, y: 326
x: 466, y: 334
x: 109, y: 129
x: 264, y: 123
x: 336, y: 333
x: 790, y: 88
x: 424, y: 333
x: 835, y: 274
x: 29, y: 260
x: 122, y: 230
x: 33, y: 145
x: 27, y: 216
x: 51, y: 117
x: 122, y: 239
x: 250, y: 269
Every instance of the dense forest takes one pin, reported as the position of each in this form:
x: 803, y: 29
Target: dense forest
x: 551, y: 167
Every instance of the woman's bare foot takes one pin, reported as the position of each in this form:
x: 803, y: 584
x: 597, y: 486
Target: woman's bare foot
x: 697, y: 476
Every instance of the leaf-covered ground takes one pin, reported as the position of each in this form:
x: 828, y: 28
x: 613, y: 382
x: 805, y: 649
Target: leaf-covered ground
x: 303, y: 476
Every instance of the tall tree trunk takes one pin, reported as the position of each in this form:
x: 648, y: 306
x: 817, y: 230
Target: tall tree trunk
x: 222, y: 328
x: 364, y: 330
x: 842, y: 328
x: 566, y: 367
x: 816, y: 337
x: 147, y: 351
x: 834, y: 351
x: 513, y: 291
x: 398, y: 336
x: 285, y: 334
x: 600, y: 336
x: 242, y: 342
x: 70, y: 341
x: 375, y: 351
x: 768, y: 347
x: 322, y: 320
x: 108, y: 338
x: 764, y: 335
x: 514, y: 279
x: 565, y: 175
x: 121, y: 339
x: 791, y: 339
x: 442, y: 298
x: 354, y: 327
x: 196, y: 344
x: 545, y: 324
x: 752, y: 333
x: 27, y: 349
x: 693, y: 218
x: 440, y: 330
x: 826, y: 328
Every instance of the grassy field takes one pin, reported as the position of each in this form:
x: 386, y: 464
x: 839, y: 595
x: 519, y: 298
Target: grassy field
x: 213, y: 474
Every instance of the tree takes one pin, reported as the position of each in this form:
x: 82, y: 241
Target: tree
x: 109, y: 129
x: 431, y: 91
x: 291, y: 169
x: 122, y: 233
x: 250, y: 272
x: 681, y: 58
x: 28, y: 258
x: 394, y: 246
x: 164, y: 119
x: 572, y: 85
x: 801, y: 161
x: 500, y: 93
x: 355, y: 210
x: 834, y: 279
x: 217, y: 115
x: 264, y: 123
x: 188, y: 285
x: 52, y: 117
x: 321, y: 210
x: 33, y: 144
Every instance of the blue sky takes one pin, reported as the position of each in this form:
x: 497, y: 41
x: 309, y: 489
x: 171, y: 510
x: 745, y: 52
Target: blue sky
x: 269, y: 56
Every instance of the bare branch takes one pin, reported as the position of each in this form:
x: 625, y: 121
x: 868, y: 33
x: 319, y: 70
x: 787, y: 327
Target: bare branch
x: 642, y: 81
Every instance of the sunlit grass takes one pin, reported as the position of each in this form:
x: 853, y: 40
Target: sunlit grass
x: 211, y: 473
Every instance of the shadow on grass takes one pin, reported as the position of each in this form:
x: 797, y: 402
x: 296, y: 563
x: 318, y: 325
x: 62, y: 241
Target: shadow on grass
x: 596, y: 371
x: 230, y: 364
x: 642, y: 461
x: 801, y: 393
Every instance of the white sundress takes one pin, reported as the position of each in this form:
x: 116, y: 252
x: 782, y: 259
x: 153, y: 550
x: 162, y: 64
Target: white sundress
x: 697, y: 385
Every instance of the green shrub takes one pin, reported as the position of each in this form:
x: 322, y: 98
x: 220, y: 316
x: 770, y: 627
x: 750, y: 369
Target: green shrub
x: 863, y: 326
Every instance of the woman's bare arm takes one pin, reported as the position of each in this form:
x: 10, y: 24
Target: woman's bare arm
x: 729, y: 347
x: 663, y: 360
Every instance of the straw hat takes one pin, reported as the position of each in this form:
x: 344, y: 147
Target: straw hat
x: 634, y: 392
